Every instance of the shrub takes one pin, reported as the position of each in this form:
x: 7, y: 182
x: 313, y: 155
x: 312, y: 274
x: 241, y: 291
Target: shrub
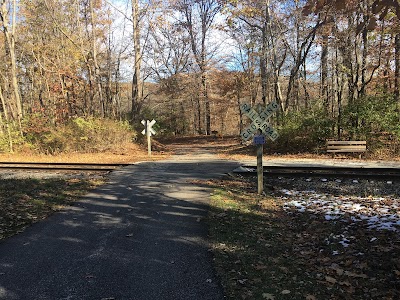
x: 370, y: 115
x: 375, y: 119
x: 303, y: 131
x: 99, y: 135
x: 78, y: 135
x: 11, y: 132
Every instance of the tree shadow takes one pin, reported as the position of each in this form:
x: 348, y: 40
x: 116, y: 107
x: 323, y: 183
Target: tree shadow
x: 261, y: 250
x: 142, y: 236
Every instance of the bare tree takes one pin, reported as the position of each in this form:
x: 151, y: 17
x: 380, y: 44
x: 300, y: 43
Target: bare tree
x: 9, y: 30
x: 137, y: 59
x: 197, y: 18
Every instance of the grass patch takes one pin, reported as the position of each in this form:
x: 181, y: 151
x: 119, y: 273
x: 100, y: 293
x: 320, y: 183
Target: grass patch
x: 26, y: 201
x: 262, y: 251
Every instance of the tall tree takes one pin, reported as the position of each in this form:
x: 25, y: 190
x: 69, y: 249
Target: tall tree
x: 137, y: 60
x: 256, y: 17
x: 397, y: 68
x: 9, y: 9
x: 198, y: 16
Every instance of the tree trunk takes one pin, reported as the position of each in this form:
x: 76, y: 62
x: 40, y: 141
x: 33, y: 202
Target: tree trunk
x: 5, y: 111
x: 300, y: 60
x: 397, y: 68
x: 240, y: 112
x: 263, y: 71
x: 95, y: 61
x: 10, y: 42
x: 136, y: 88
x: 324, y: 72
x: 364, y: 59
x: 207, y: 109
x: 264, y: 55
x: 339, y: 77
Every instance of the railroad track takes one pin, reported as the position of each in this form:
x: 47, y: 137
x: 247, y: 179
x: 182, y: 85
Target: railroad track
x: 301, y: 171
x: 35, y: 166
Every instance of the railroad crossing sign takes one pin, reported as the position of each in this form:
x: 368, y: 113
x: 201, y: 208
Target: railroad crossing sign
x: 259, y: 121
x: 148, y: 131
x: 148, y: 127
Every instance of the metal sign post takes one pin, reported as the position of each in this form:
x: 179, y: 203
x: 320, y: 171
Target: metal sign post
x: 259, y: 140
x: 260, y: 124
x: 148, y: 131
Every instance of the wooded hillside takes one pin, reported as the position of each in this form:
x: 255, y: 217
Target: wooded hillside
x: 333, y: 67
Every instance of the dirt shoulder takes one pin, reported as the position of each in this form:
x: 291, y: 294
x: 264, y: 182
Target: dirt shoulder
x: 128, y: 154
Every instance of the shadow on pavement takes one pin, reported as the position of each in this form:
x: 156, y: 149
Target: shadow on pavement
x: 142, y: 236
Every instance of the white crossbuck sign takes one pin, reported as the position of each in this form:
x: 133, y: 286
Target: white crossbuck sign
x: 148, y: 126
x: 259, y: 121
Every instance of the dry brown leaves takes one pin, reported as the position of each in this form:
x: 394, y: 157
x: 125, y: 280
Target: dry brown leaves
x: 264, y: 252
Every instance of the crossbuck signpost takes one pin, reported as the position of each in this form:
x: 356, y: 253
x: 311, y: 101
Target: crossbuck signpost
x: 148, y: 131
x: 259, y: 124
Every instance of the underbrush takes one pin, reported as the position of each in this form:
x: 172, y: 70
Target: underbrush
x: 378, y: 148
x: 374, y: 119
x: 75, y: 135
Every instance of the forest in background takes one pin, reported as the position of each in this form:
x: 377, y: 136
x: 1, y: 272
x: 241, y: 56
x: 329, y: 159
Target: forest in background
x: 80, y: 75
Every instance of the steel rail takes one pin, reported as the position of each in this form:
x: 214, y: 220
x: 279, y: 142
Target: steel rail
x: 328, y: 171
x: 60, y: 166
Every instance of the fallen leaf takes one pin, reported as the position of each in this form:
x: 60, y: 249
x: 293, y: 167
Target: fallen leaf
x: 363, y: 266
x: 348, y: 262
x: 285, y: 292
x: 310, y: 297
x: 339, y: 271
x: 355, y: 275
x: 268, y: 296
x: 260, y: 267
x: 330, y: 279
x: 284, y: 269
x: 346, y: 283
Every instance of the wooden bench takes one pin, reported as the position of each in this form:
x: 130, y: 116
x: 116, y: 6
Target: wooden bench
x: 346, y: 146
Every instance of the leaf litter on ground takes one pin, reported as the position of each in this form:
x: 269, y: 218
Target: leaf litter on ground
x: 331, y: 239
x: 24, y: 201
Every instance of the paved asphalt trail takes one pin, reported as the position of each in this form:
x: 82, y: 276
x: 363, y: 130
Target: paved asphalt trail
x: 142, y: 236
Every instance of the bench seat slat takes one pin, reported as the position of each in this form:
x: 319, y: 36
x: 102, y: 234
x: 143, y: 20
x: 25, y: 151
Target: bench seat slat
x: 341, y: 150
x: 346, y: 143
x: 346, y: 146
